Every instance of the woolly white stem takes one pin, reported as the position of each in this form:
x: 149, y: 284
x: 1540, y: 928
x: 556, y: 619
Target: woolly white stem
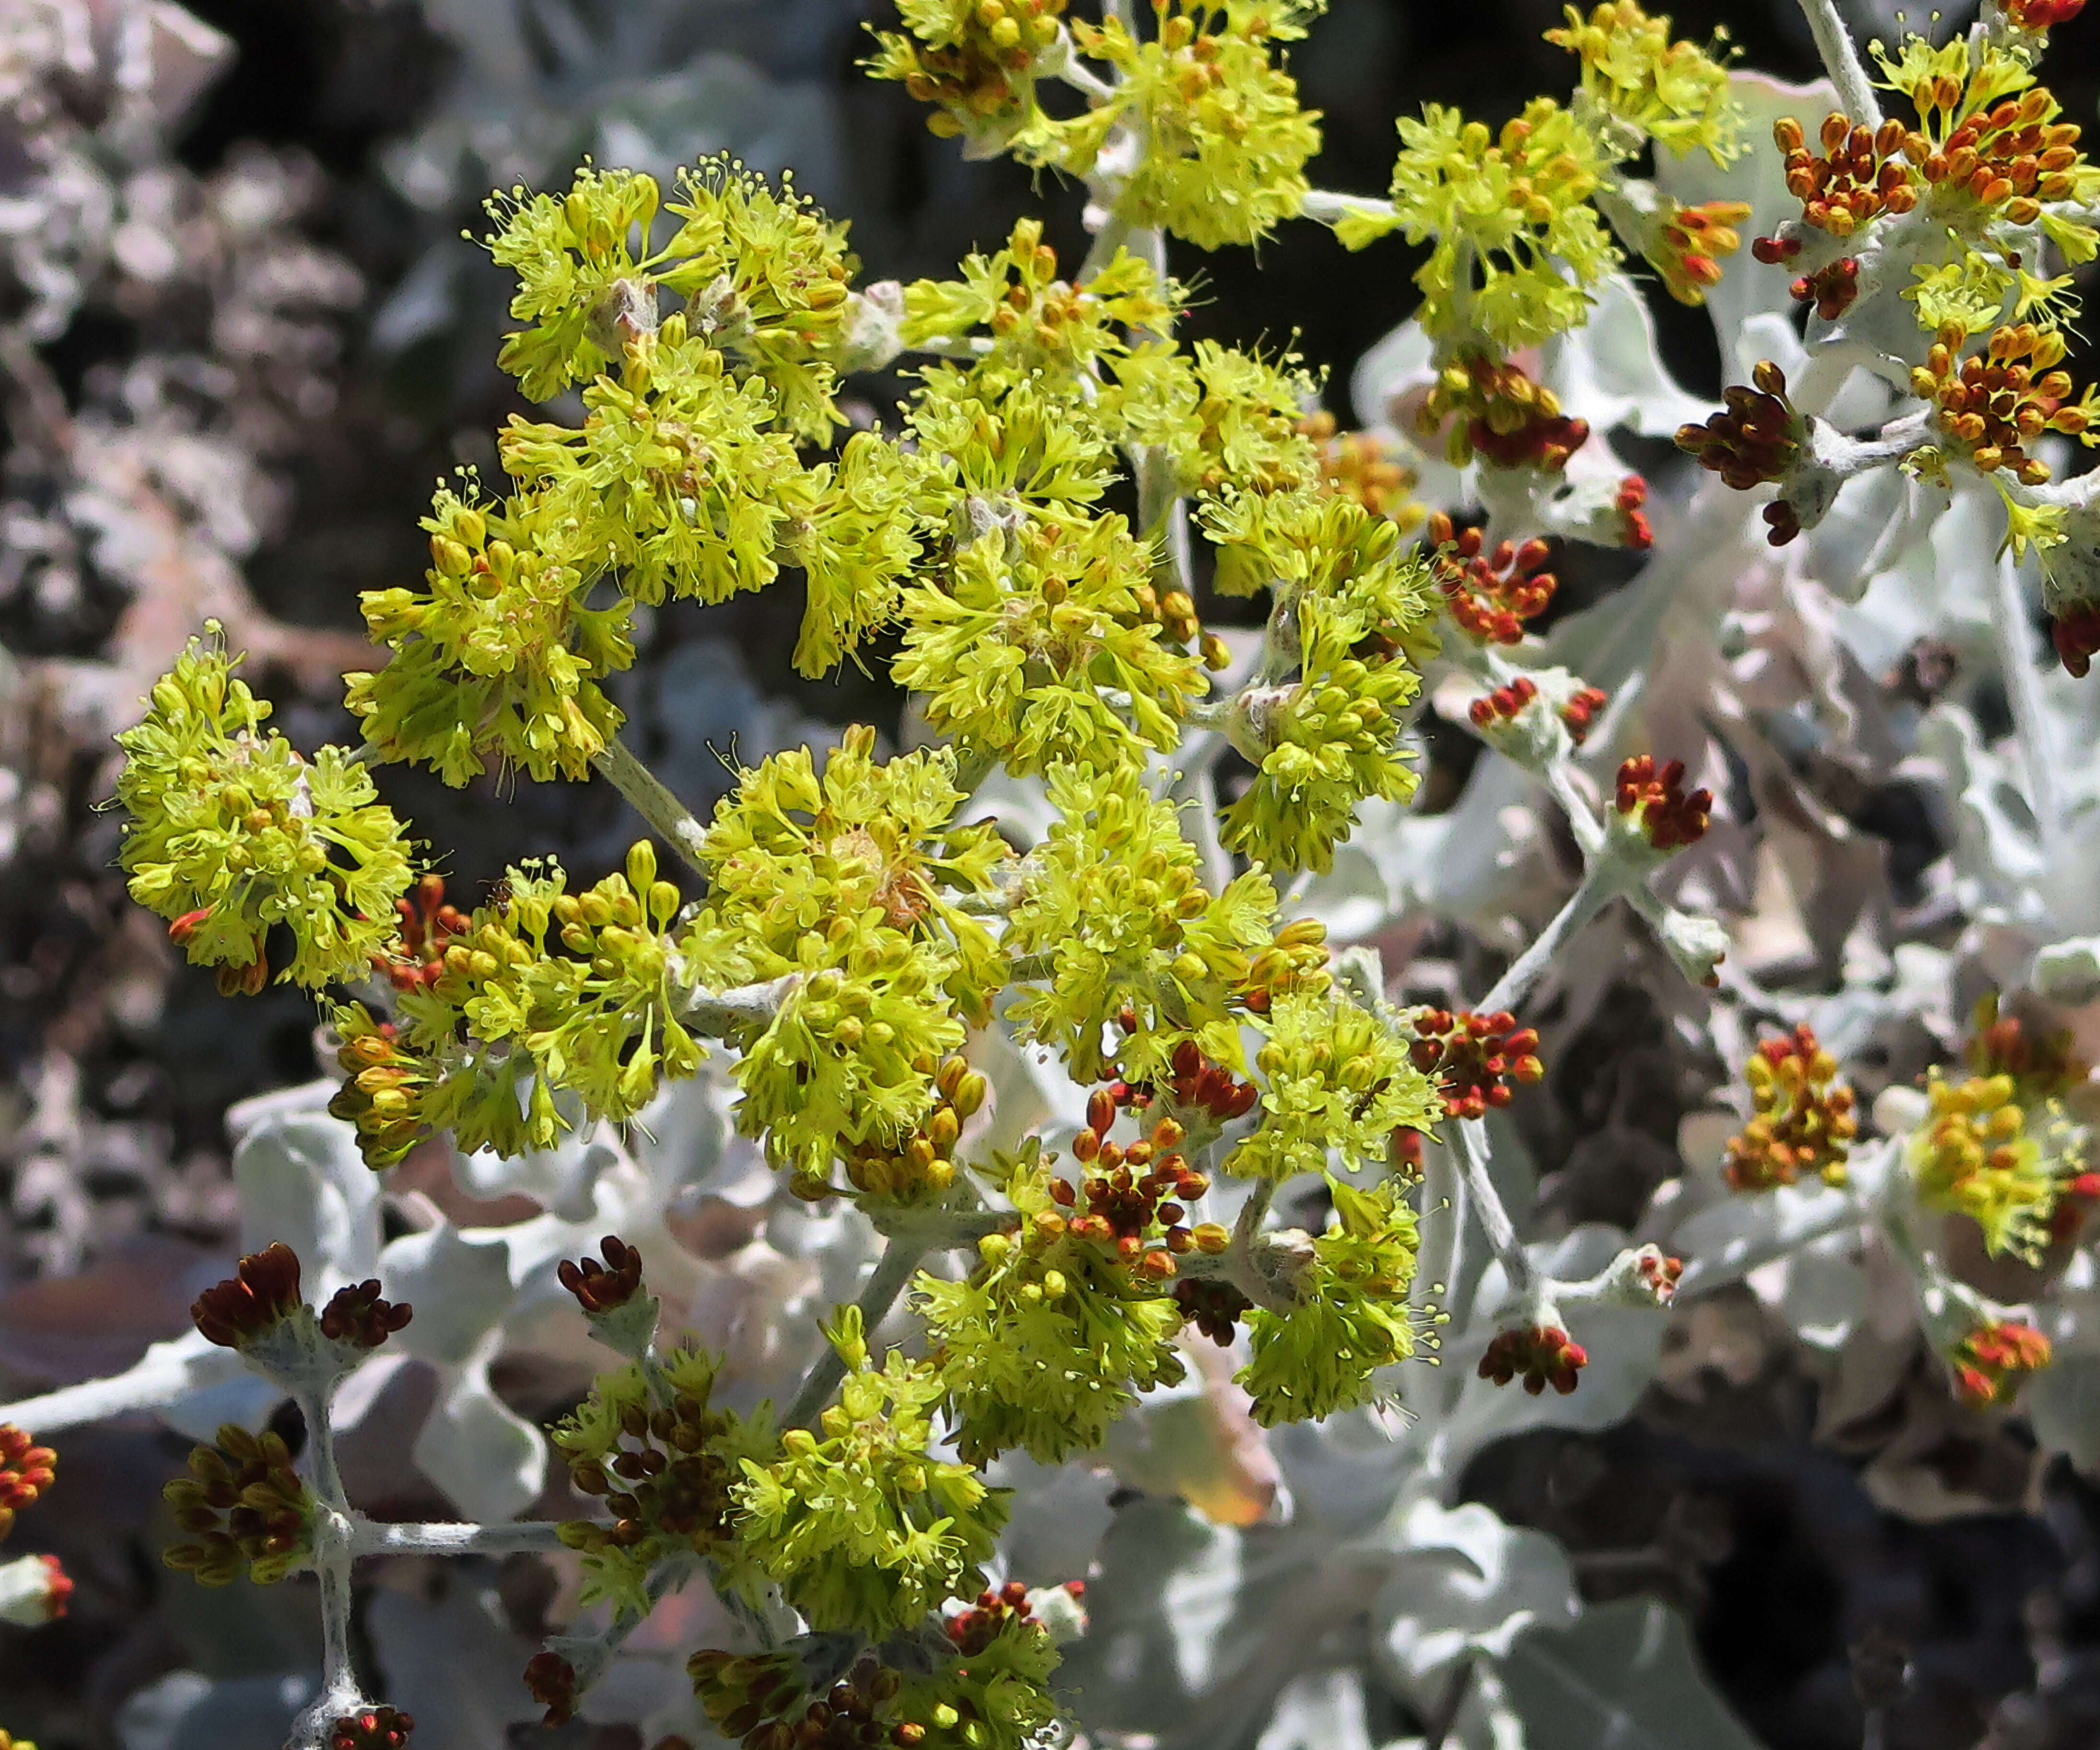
x: 538, y: 1536
x: 892, y: 1272
x: 333, y: 1534
x: 1495, y: 1220
x: 169, y: 1371
x: 1600, y: 883
x: 668, y: 817
x: 717, y: 1012
x: 1841, y: 60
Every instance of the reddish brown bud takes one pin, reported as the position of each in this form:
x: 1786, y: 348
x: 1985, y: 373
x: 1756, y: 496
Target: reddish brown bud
x: 264, y: 1288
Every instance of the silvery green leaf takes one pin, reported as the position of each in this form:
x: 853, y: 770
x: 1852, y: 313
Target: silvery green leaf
x: 1470, y: 864
x: 490, y: 1461
x: 1609, y: 371
x: 1748, y: 289
x: 301, y: 1180
x: 247, y: 1398
x: 1624, y: 1345
x: 458, y: 1283
x: 1927, y: 584
x: 1728, y: 1240
x: 1466, y: 1583
x: 1998, y: 861
x: 1388, y: 383
x: 1167, y: 1585
x: 560, y: 1178
x: 1625, y: 1677
x: 1060, y: 1514
x: 1321, y: 1710
x: 2069, y: 972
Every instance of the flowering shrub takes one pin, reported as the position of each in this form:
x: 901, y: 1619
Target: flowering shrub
x: 1062, y: 1038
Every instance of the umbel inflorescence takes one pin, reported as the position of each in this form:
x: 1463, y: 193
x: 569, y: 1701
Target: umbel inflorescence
x: 1031, y: 534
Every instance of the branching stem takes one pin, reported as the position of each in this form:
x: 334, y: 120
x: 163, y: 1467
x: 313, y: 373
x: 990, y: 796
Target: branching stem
x: 540, y: 1536
x: 1600, y: 884
x: 668, y: 817
x: 1841, y: 60
x: 1495, y: 1221
x: 892, y: 1272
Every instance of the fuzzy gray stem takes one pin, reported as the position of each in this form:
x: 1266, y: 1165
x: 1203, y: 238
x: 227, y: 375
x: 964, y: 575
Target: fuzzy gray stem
x: 333, y: 1536
x: 1841, y: 60
x: 668, y: 817
x: 1598, y: 885
x: 892, y: 1272
x: 538, y: 1536
x: 153, y: 1384
x: 717, y: 1013
x: 1495, y: 1220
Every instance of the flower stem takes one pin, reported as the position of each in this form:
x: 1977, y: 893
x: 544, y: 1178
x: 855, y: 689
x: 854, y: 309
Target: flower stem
x: 1488, y: 1204
x: 333, y: 1535
x: 1841, y: 60
x: 892, y: 1272
x: 1600, y: 884
x: 668, y: 817
x: 367, y: 1538
x: 720, y: 1012
x: 169, y: 1371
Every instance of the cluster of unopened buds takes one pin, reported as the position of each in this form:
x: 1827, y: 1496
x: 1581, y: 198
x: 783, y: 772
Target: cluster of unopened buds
x: 1659, y: 1273
x: 244, y: 1505
x: 1477, y: 1059
x: 2041, y: 1064
x: 2042, y: 15
x: 1539, y: 1355
x: 665, y: 1479
x: 1695, y: 241
x: 1490, y: 593
x: 1753, y: 440
x: 26, y: 1471
x: 1213, y: 1306
x: 1134, y: 1196
x: 359, y: 1317
x: 428, y: 924
x: 1990, y: 1362
x: 550, y: 1680
x: 1355, y: 465
x: 1654, y: 797
x: 1854, y: 178
x: 1630, y: 502
x: 971, y: 1630
x: 1509, y: 702
x: 1001, y: 41
x: 1501, y: 413
x: 1804, y: 1119
x: 263, y: 1290
x: 1504, y: 705
x: 752, y: 1699
x: 1997, y: 401
x: 604, y: 1287
x: 371, y: 1729
x: 1295, y: 958
x: 1192, y: 1084
x: 925, y: 1163
x: 2075, y: 632
x: 2009, y: 158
